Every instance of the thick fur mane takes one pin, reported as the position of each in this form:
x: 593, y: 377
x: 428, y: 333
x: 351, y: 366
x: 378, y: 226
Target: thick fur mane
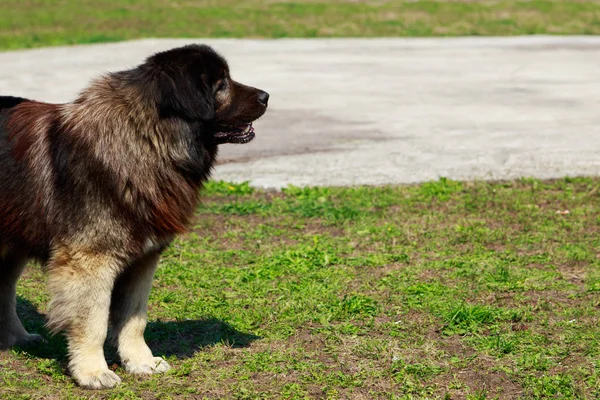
x: 156, y: 164
x: 112, y: 143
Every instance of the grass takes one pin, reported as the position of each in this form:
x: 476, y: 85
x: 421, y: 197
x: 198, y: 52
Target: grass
x: 34, y: 23
x: 444, y: 290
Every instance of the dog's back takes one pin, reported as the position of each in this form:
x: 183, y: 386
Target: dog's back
x: 6, y: 102
x: 10, y: 101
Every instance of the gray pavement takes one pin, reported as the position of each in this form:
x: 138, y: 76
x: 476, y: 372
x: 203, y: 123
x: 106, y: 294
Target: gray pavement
x: 377, y: 111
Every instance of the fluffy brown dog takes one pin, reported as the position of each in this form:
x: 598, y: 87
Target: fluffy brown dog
x: 96, y: 189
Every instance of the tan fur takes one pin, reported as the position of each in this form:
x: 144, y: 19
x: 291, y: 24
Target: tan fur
x: 81, y: 284
x: 129, y: 316
x: 224, y: 98
x: 111, y: 122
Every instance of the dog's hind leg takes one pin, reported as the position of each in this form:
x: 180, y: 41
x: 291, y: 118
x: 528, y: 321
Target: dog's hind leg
x: 81, y: 284
x: 12, y: 332
x: 128, y: 317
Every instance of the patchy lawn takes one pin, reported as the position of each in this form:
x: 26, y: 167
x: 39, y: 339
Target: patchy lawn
x: 34, y: 23
x: 442, y: 290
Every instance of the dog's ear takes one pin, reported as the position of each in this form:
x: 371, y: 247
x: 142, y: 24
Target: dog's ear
x: 181, y: 96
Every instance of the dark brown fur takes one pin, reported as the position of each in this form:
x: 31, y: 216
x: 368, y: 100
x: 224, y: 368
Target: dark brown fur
x: 89, y: 188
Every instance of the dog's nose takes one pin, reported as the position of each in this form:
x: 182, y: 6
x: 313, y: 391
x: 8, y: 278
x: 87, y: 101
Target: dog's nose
x: 263, y: 97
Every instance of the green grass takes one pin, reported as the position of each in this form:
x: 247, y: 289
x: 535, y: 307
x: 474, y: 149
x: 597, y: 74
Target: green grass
x: 34, y: 23
x: 441, y: 290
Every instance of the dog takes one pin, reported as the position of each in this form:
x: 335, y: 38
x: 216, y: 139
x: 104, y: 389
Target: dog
x: 96, y: 189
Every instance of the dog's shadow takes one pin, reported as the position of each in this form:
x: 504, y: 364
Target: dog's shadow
x: 180, y: 339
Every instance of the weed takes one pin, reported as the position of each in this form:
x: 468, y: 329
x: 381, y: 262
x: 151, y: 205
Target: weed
x: 408, y: 292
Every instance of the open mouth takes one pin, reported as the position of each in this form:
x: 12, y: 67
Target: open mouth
x: 237, y: 134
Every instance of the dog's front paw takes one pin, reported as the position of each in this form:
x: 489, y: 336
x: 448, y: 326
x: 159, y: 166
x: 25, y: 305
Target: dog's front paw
x: 153, y: 365
x: 99, y: 379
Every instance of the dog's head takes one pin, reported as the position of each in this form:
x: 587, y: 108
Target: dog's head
x: 194, y: 84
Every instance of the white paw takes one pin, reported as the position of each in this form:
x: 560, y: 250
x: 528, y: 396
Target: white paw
x: 103, y: 379
x: 154, y: 365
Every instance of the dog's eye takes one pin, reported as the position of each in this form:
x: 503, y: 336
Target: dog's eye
x: 222, y: 85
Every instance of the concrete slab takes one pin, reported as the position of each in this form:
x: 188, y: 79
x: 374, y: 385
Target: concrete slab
x: 377, y: 111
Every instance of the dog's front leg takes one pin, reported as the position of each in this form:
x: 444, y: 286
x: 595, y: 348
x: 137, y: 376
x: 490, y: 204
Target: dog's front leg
x: 128, y: 317
x: 80, y: 283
